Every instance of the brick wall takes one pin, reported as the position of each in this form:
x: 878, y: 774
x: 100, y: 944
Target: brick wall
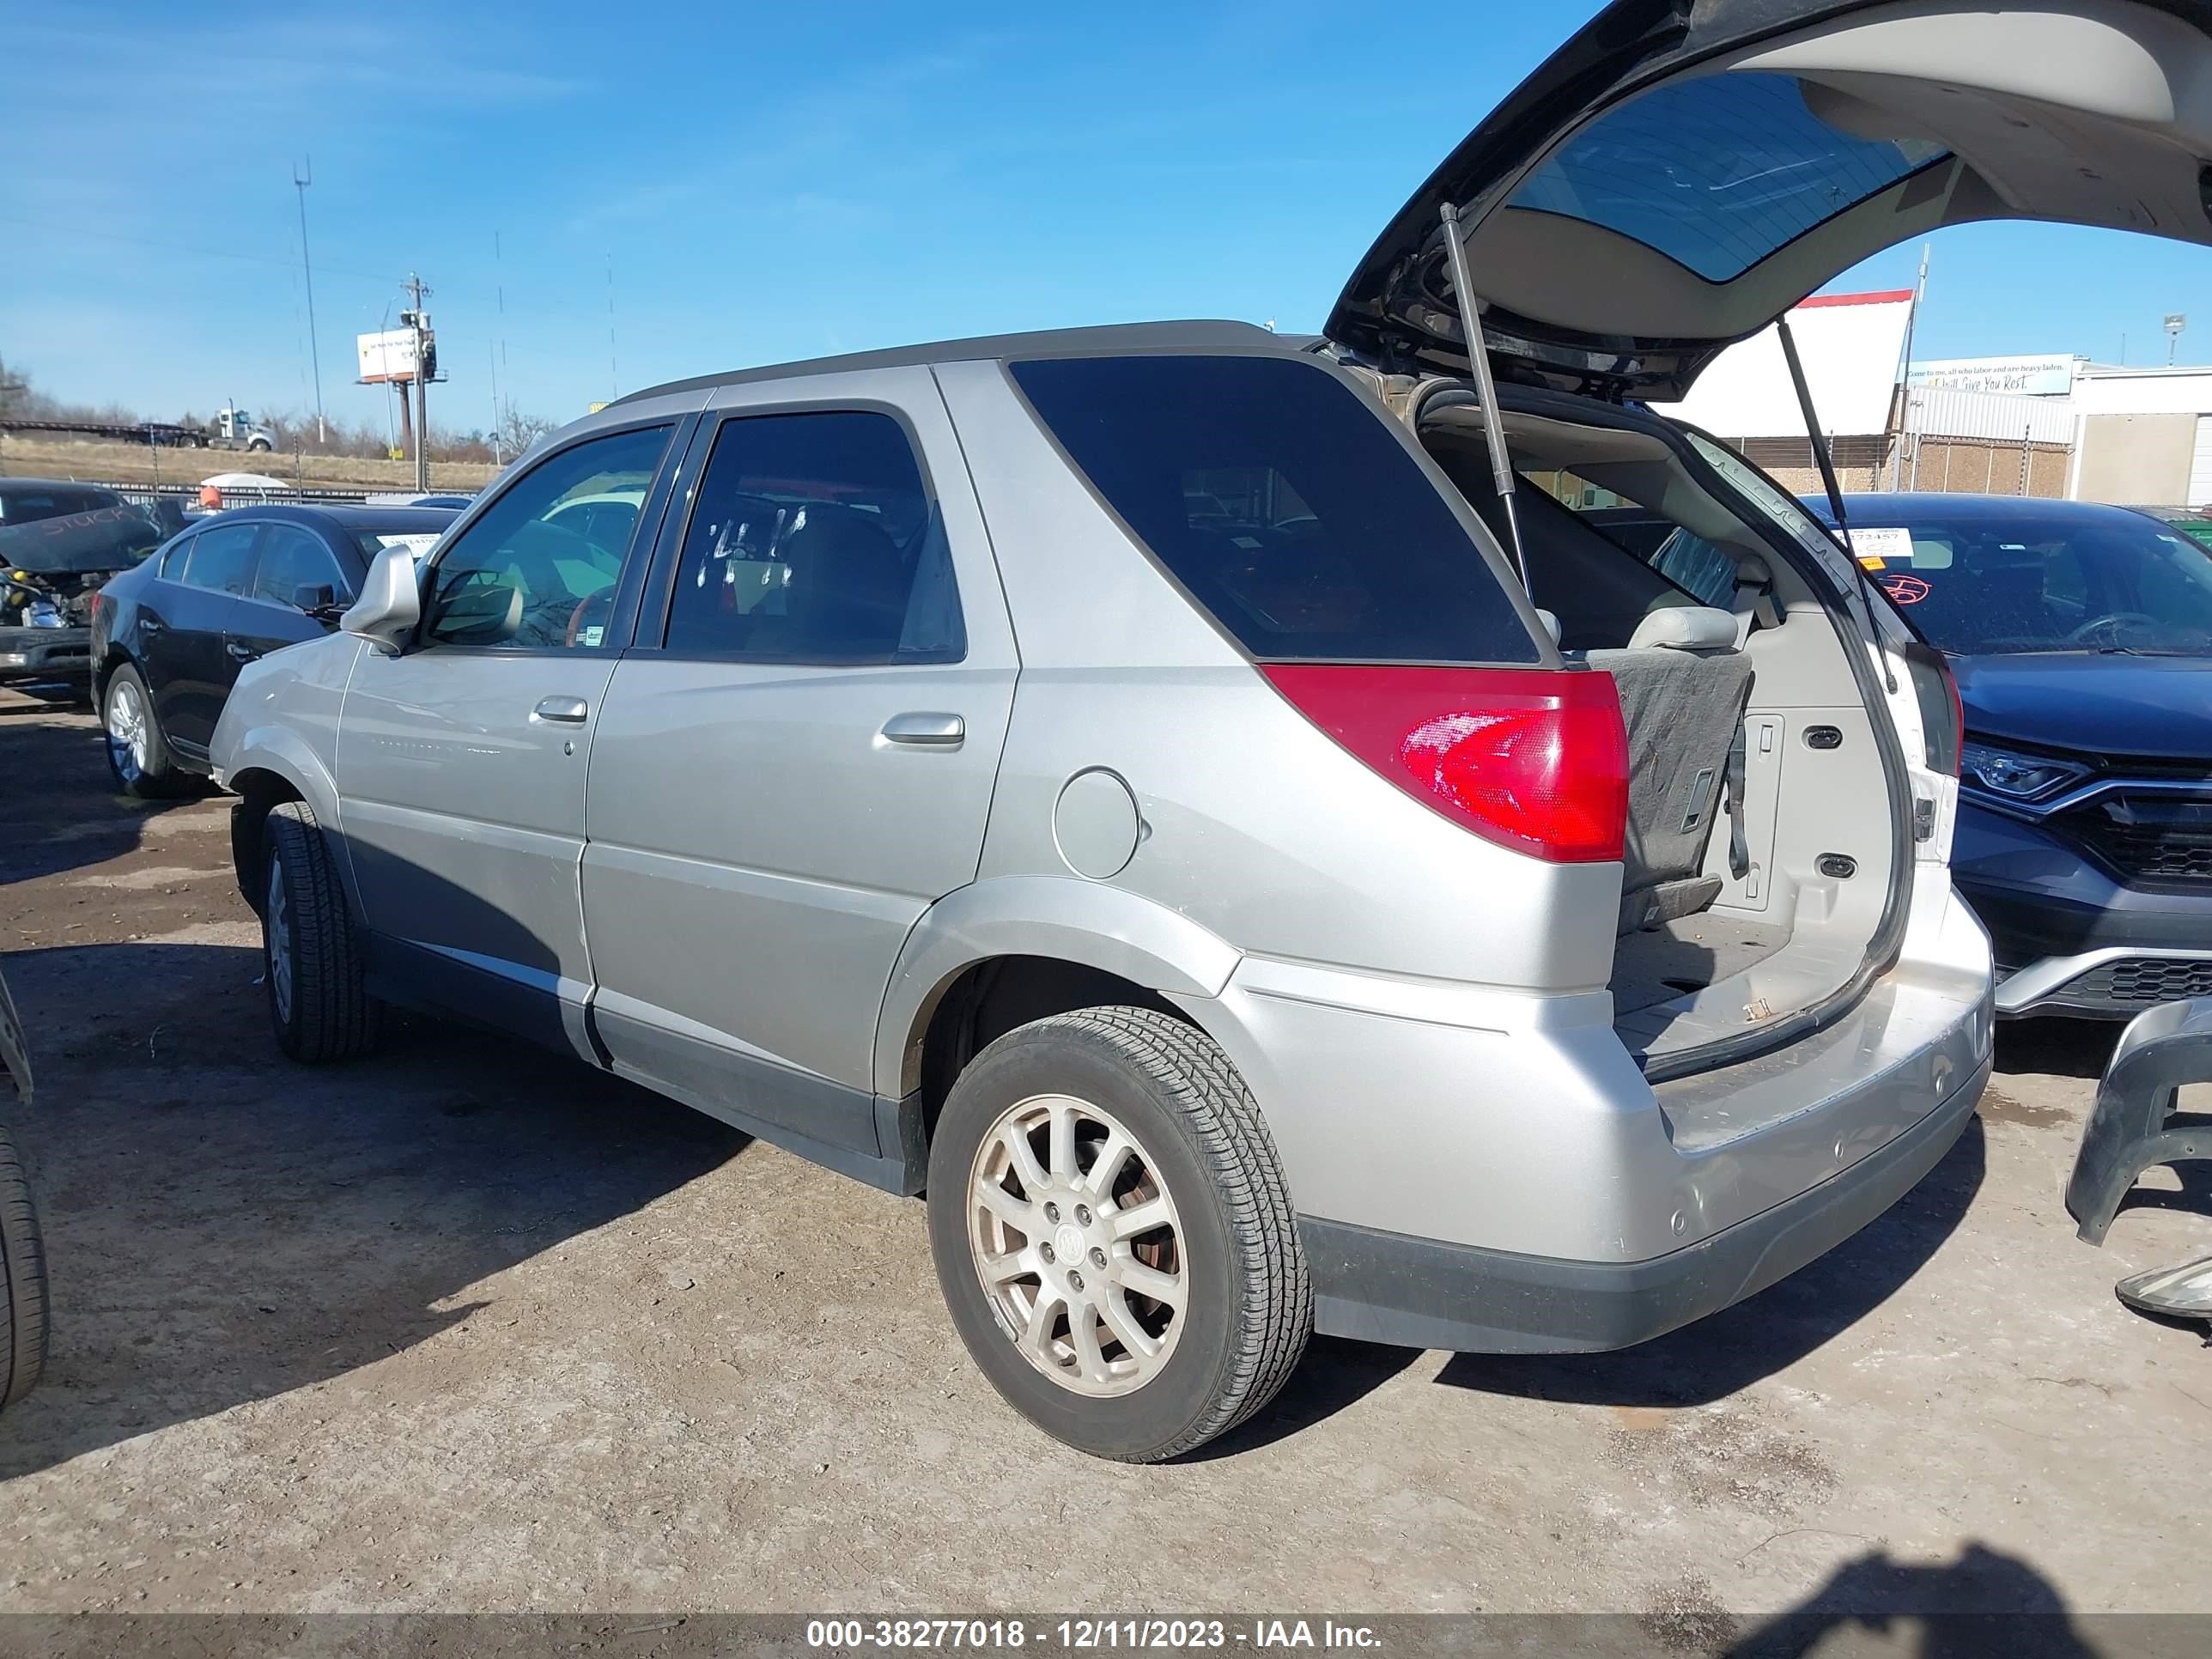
x: 1973, y: 465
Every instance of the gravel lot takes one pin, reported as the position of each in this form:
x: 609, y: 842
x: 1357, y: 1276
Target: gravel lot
x: 464, y: 1327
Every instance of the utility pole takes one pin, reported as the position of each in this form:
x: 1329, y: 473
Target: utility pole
x: 1905, y: 403
x: 314, y: 351
x: 422, y: 367
x: 499, y: 356
x: 614, y: 376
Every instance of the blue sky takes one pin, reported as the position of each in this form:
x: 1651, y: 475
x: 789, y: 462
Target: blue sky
x: 782, y: 181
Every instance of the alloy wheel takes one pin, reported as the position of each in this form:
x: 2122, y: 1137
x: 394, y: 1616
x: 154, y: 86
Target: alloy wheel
x: 126, y: 731
x: 279, y: 942
x: 1078, y: 1245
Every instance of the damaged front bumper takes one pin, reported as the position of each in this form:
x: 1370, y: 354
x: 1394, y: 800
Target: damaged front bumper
x: 45, y: 654
x: 2137, y: 1122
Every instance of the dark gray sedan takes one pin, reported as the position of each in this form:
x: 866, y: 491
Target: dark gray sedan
x: 169, y: 636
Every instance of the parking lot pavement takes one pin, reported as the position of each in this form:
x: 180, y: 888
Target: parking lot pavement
x: 464, y: 1326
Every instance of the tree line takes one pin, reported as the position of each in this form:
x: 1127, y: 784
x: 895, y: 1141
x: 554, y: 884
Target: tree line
x: 294, y: 430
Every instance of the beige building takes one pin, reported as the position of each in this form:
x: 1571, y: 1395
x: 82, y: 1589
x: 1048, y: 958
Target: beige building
x: 2051, y: 426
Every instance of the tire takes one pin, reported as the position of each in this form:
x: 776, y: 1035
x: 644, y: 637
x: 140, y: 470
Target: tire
x: 23, y: 1322
x: 1201, y: 1161
x: 310, y: 960
x: 256, y: 446
x: 138, y: 755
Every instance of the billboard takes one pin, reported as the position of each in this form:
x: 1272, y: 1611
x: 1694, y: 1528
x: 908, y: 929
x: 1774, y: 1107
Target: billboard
x: 2027, y: 377
x: 389, y: 356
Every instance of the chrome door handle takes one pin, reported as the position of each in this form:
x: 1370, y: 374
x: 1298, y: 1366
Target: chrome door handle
x: 569, y: 711
x: 241, y: 653
x: 925, y: 731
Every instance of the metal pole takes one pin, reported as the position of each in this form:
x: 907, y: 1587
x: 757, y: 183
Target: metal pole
x: 1486, y: 385
x: 1912, y: 321
x: 422, y: 430
x: 308, y: 270
x: 422, y: 391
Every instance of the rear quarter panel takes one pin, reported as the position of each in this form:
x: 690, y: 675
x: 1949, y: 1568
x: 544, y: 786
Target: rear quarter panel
x: 1253, y: 824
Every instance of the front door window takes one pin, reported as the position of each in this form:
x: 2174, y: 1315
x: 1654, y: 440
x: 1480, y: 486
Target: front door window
x: 538, y: 571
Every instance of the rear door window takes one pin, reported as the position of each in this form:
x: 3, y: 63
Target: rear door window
x: 220, y: 558
x: 1282, y: 505
x: 816, y: 539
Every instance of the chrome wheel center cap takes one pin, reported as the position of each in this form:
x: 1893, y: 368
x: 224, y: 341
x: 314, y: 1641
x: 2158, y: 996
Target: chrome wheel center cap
x: 1067, y: 1243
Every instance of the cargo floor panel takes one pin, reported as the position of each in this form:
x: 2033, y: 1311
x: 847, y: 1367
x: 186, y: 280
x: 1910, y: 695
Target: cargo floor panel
x: 1686, y: 955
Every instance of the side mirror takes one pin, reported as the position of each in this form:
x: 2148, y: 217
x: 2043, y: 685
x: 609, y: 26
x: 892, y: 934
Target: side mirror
x: 482, y: 614
x: 390, y: 605
x: 319, y: 599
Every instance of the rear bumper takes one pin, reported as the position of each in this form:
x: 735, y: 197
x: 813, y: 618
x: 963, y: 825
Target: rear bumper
x: 1482, y: 1169
x: 27, y: 653
x: 1417, y: 1292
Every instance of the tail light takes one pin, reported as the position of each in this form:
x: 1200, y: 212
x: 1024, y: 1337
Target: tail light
x: 1943, y: 717
x: 1533, y: 759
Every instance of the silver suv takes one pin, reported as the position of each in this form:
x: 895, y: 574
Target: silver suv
x: 1153, y: 790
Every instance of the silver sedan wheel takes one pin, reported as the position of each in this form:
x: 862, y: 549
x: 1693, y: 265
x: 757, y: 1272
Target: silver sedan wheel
x: 1076, y: 1240
x: 126, y: 731
x: 279, y: 942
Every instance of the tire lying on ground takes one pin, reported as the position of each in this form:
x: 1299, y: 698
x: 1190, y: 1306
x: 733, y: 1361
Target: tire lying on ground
x: 1114, y: 1235
x: 23, y: 1269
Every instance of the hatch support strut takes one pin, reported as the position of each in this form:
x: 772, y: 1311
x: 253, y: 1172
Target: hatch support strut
x: 1821, y: 456
x: 1843, y: 534
x: 1486, y: 385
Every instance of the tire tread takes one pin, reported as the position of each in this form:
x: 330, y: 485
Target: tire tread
x: 334, y: 1017
x: 23, y: 1304
x: 1270, y: 1331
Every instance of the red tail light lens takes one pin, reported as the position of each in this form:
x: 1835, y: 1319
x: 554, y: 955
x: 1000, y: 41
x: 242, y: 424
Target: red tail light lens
x: 1533, y: 760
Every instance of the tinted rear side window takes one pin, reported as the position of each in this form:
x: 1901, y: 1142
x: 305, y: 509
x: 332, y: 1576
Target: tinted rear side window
x: 814, y: 540
x: 1282, y: 504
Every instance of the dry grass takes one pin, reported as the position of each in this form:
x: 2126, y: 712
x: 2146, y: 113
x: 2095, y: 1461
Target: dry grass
x: 102, y: 461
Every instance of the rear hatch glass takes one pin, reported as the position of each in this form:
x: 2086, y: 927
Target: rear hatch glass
x: 1281, y: 505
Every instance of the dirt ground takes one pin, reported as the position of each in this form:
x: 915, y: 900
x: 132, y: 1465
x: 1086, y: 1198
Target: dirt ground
x: 106, y: 461
x: 463, y: 1327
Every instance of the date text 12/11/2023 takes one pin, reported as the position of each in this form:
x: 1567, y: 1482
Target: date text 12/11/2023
x: 1258, y: 1634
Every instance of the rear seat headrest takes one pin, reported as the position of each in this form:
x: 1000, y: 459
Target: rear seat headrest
x: 1685, y: 627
